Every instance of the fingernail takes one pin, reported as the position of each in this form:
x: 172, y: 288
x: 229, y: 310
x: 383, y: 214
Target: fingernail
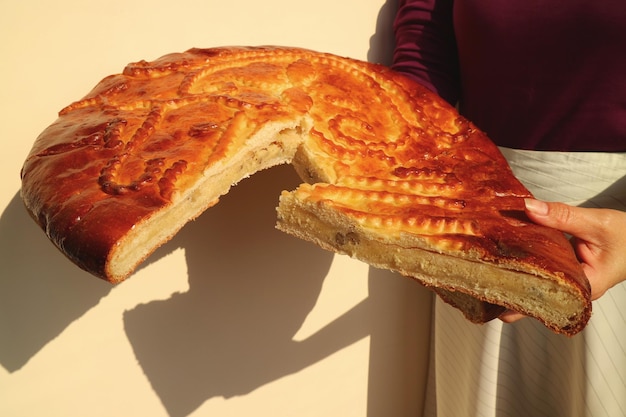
x: 535, y: 206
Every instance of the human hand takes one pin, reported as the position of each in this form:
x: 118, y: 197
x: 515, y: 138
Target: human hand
x: 599, y: 240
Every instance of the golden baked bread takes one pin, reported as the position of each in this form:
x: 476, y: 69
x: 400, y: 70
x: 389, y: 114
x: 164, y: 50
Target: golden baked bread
x: 393, y: 175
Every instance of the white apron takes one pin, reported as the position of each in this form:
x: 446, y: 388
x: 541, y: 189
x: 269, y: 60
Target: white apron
x: 523, y: 369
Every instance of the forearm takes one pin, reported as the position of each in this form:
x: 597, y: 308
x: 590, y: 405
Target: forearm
x: 425, y: 45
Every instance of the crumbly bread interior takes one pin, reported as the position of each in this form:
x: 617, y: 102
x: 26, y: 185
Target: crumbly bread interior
x: 273, y: 145
x: 471, y: 285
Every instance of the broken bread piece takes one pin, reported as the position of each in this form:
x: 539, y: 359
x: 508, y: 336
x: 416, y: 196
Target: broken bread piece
x: 392, y: 175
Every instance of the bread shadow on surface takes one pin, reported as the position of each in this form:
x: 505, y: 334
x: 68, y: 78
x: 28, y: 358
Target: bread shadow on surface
x: 41, y: 292
x: 250, y: 289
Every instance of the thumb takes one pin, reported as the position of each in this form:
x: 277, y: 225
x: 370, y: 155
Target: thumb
x: 568, y: 219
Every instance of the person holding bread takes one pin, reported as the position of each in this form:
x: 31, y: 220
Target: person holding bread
x: 545, y: 81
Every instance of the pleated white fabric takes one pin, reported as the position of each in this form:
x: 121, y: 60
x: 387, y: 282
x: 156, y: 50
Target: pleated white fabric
x: 523, y: 369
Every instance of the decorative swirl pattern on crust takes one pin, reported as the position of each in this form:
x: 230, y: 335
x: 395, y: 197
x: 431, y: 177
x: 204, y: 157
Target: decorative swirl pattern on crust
x: 357, y: 118
x: 158, y: 123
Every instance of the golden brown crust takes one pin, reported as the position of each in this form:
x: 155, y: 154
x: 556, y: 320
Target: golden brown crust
x: 395, y: 173
x: 140, y: 141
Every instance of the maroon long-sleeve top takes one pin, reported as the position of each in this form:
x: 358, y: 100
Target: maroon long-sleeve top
x: 533, y: 74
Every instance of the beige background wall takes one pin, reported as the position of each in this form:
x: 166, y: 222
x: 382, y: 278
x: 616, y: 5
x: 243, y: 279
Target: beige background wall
x: 231, y: 318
